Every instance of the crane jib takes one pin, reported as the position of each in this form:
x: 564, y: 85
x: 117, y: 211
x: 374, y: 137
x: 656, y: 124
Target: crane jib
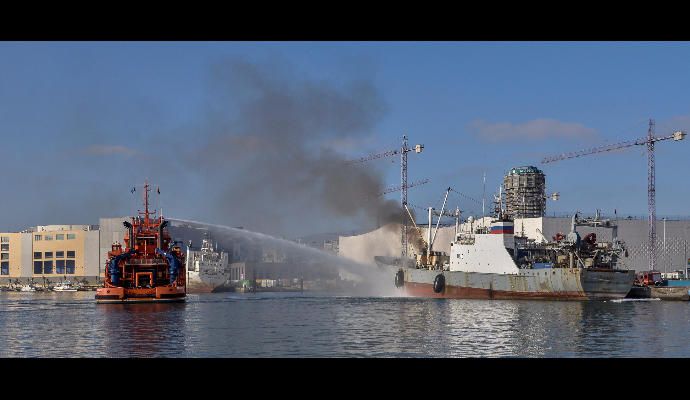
x: 649, y: 141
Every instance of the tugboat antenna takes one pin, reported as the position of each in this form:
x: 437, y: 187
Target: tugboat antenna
x: 147, y: 214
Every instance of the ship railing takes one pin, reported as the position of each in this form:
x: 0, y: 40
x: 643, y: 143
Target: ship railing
x: 145, y: 261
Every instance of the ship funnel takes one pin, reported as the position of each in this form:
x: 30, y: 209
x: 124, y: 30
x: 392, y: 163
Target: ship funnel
x: 160, y: 233
x: 131, y: 233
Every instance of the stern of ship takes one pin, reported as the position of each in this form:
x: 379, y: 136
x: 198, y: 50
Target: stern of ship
x: 606, y: 283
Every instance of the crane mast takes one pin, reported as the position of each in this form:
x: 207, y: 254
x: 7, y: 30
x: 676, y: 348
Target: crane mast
x: 651, y: 196
x: 403, y: 150
x: 647, y: 141
x: 404, y: 243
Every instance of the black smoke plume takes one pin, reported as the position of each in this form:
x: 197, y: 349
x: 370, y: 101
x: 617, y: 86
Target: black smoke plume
x: 275, y: 147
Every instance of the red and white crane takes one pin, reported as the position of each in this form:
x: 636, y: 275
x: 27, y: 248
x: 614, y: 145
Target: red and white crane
x: 648, y: 141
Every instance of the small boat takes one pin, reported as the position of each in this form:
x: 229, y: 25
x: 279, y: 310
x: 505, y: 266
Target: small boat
x: 65, y: 287
x: 27, y: 288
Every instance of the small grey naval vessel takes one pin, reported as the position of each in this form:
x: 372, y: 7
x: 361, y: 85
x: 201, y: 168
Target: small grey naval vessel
x: 493, y: 263
x: 207, y: 269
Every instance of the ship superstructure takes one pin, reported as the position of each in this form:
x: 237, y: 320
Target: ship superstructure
x: 148, y: 267
x: 207, y: 268
x: 494, y: 263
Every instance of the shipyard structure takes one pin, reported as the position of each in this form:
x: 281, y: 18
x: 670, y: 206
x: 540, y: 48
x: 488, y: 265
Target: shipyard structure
x: 672, y: 254
x: 53, y: 253
x: 523, y: 195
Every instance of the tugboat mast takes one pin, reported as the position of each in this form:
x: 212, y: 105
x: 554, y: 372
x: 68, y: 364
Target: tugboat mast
x: 147, y: 214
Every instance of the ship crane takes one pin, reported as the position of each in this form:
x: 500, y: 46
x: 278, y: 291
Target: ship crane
x: 403, y: 150
x: 647, y: 141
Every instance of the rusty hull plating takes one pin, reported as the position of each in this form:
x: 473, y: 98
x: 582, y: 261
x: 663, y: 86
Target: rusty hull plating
x: 149, y: 268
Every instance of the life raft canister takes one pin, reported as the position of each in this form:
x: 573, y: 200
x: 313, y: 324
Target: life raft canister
x: 439, y: 283
x: 400, y: 279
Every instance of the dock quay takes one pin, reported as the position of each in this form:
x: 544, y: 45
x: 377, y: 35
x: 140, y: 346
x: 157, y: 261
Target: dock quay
x: 677, y: 293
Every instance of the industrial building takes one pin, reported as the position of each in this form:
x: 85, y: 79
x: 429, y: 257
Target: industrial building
x: 50, y: 253
x: 672, y: 247
x: 524, y: 200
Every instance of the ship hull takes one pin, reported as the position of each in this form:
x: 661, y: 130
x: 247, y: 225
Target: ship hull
x: 159, y: 294
x: 205, y: 283
x: 543, y: 284
x: 199, y: 287
x: 140, y: 300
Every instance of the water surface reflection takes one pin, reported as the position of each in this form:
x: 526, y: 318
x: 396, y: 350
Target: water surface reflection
x: 312, y: 325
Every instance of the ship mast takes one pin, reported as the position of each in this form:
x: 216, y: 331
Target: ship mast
x: 146, y: 213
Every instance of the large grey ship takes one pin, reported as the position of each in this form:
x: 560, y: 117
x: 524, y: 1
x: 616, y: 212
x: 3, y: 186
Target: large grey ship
x: 494, y: 263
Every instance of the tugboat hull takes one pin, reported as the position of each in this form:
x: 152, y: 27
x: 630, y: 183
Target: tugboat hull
x: 161, y: 294
x: 140, y: 300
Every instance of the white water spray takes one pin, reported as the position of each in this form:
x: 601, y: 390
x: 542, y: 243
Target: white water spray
x: 372, y: 280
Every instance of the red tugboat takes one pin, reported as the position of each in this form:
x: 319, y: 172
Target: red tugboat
x: 149, y: 269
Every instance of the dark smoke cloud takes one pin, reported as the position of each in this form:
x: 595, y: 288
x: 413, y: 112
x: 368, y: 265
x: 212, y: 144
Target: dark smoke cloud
x: 266, y: 152
x: 270, y: 150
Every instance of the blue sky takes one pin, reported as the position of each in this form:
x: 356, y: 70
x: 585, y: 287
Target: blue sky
x: 79, y: 118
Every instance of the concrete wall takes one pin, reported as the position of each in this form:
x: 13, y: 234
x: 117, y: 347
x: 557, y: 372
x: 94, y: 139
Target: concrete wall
x: 110, y: 231
x: 91, y: 254
x: 27, y: 265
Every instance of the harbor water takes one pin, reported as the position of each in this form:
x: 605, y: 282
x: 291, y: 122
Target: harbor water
x: 59, y: 325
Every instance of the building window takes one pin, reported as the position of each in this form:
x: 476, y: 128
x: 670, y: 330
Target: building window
x: 70, y: 267
x: 47, y: 267
x: 71, y: 236
x: 38, y: 267
x: 4, y: 256
x: 48, y: 254
x: 5, y: 247
x: 5, y: 268
x: 60, y: 236
x: 59, y: 254
x: 37, y: 238
x: 37, y: 255
x: 70, y: 254
x: 59, y: 266
x: 5, y: 239
x: 48, y: 237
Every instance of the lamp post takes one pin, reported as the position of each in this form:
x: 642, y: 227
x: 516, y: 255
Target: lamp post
x: 685, y: 251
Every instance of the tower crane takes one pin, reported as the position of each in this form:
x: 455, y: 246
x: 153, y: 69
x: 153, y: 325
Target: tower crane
x: 403, y: 150
x: 647, y: 141
x: 399, y: 187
